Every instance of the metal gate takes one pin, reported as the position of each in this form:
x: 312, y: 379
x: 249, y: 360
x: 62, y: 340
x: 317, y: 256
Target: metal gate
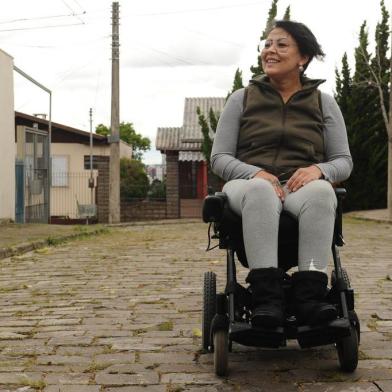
x: 32, y: 179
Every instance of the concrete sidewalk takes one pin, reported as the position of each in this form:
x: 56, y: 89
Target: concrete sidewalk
x: 372, y: 215
x: 121, y: 312
x: 16, y: 239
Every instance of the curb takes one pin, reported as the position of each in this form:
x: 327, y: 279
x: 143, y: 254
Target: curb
x: 367, y: 219
x: 156, y: 223
x: 51, y: 241
x: 30, y: 246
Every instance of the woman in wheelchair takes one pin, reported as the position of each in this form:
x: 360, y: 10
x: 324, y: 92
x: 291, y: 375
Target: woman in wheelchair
x: 280, y: 144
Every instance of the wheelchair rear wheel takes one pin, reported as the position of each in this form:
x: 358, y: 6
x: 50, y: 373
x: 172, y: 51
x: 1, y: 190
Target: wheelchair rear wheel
x: 348, y: 351
x: 221, y: 352
x: 209, y: 307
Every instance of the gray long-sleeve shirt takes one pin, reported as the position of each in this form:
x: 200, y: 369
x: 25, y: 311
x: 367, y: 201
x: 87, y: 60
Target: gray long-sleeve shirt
x: 338, y: 163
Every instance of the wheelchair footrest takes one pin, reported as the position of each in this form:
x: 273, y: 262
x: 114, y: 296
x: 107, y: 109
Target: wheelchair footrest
x: 246, y: 335
x: 330, y: 333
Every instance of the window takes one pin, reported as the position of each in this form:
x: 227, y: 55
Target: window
x: 60, y: 170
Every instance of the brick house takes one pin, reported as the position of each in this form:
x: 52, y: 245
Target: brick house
x: 70, y: 170
x: 186, y: 167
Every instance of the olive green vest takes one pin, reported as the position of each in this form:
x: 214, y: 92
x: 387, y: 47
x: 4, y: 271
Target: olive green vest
x: 281, y: 137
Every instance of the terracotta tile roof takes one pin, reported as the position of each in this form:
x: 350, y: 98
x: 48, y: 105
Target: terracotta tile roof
x: 189, y: 136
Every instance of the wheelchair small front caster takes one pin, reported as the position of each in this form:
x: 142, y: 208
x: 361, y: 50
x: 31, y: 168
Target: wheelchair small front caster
x: 221, y: 353
x: 348, y: 351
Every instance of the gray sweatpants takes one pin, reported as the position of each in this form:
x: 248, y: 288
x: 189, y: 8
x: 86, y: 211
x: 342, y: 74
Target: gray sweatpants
x: 314, y: 205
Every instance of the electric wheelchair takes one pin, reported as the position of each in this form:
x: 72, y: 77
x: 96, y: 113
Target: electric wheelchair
x: 226, y: 316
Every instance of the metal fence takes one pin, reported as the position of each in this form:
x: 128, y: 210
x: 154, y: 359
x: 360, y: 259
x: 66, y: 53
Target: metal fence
x: 71, y: 196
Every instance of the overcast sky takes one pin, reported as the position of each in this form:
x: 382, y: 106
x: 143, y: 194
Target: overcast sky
x: 169, y: 50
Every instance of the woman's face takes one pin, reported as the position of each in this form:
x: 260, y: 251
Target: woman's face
x: 280, y: 57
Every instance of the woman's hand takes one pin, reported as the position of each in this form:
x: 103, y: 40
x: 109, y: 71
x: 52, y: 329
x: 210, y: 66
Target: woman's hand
x: 302, y: 176
x: 273, y: 180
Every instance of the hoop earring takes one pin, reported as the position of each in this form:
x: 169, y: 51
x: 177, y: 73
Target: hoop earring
x: 301, y: 68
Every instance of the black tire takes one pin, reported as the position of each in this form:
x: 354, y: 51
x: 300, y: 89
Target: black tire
x: 348, y: 351
x: 221, y: 353
x: 209, y: 307
x: 354, y: 320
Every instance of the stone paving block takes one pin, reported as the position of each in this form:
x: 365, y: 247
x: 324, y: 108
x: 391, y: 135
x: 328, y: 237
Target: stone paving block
x: 339, y: 387
x: 160, y: 358
x: 385, y: 386
x: 114, y: 358
x: 20, y: 378
x: 185, y: 378
x: 11, y: 336
x: 127, y: 379
x: 62, y: 360
x: 129, y: 368
x: 72, y: 388
x: 150, y: 388
x: 59, y: 321
x: 71, y: 341
x: 68, y: 378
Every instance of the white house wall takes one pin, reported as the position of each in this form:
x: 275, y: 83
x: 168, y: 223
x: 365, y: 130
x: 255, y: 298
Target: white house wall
x: 72, y: 187
x: 7, y: 137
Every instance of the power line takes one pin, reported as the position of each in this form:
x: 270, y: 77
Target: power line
x: 42, y: 27
x: 180, y: 59
x: 73, y: 11
x: 38, y: 18
x: 197, y: 10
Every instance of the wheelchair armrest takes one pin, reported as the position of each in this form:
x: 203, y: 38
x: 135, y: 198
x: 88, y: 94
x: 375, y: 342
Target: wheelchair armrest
x: 213, y: 207
x: 340, y: 193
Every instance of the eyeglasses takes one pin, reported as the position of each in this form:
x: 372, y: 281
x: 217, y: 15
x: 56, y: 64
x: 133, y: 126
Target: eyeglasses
x: 280, y: 46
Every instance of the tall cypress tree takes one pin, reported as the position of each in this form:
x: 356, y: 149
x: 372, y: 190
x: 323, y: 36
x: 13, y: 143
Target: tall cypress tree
x: 359, y: 122
x: 257, y: 69
x: 237, y: 83
x: 286, y: 15
x: 359, y: 100
x: 344, y: 87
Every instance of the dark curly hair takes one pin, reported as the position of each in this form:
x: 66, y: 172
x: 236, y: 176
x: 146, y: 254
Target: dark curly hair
x: 305, y: 39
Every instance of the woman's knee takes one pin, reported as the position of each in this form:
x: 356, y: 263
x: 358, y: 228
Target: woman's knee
x: 322, y: 193
x: 260, y: 191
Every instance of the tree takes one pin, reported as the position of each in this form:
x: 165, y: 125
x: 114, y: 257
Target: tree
x: 286, y: 15
x: 157, y: 189
x: 128, y: 134
x: 133, y: 179
x: 237, y: 83
x: 257, y: 69
x: 364, y: 103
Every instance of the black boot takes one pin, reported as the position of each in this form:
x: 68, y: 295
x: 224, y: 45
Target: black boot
x: 310, y: 290
x: 267, y: 296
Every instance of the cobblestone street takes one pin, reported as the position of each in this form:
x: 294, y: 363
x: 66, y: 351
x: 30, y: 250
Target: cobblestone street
x: 121, y: 312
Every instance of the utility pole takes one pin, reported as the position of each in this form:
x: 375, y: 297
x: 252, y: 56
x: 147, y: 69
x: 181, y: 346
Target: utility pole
x: 114, y: 170
x: 389, y: 194
x: 91, y: 179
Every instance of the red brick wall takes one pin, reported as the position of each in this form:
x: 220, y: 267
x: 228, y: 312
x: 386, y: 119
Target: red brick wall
x: 102, y: 191
x: 172, y: 185
x: 143, y: 210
